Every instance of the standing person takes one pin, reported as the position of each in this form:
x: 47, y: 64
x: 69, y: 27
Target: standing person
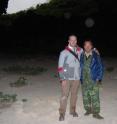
x: 69, y: 73
x: 91, y: 76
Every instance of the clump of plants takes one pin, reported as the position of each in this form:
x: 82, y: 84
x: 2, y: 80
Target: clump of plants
x: 26, y: 70
x: 19, y: 83
x: 24, y: 100
x: 6, y: 100
x: 110, y: 69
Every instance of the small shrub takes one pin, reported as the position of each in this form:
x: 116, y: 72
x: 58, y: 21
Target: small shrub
x: 110, y: 69
x: 19, y: 83
x: 27, y: 70
x: 24, y: 100
x: 6, y: 100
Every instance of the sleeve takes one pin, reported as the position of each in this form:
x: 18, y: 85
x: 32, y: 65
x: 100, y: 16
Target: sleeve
x: 100, y: 68
x: 60, y: 66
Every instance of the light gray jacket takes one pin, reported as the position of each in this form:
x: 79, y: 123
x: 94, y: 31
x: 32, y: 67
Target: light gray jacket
x: 69, y: 66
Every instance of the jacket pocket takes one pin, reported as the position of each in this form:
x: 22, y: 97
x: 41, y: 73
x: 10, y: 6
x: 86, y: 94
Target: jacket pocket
x: 68, y: 71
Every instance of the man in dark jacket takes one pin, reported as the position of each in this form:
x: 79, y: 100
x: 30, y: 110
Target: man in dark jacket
x: 91, y: 76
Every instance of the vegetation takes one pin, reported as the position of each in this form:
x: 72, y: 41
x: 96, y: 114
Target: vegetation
x: 50, y: 23
x: 59, y: 8
x: 110, y: 69
x: 24, y: 70
x: 19, y: 83
x: 6, y: 100
x: 24, y: 100
x: 3, y: 6
x: 56, y: 8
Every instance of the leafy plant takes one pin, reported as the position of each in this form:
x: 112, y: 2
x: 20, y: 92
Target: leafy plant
x: 3, y: 6
x: 7, y: 100
x: 110, y: 69
x: 27, y: 70
x: 19, y: 83
x: 24, y: 100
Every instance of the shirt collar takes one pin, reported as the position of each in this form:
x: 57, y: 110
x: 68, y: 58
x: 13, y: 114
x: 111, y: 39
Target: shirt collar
x: 88, y: 54
x: 72, y: 48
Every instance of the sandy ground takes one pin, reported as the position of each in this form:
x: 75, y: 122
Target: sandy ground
x: 43, y: 93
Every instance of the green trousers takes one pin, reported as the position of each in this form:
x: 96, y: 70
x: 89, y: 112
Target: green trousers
x: 91, y: 99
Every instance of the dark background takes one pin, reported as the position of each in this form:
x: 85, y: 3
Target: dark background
x: 44, y: 29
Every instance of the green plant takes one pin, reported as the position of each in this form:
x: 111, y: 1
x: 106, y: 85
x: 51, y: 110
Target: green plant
x: 3, y: 6
x: 24, y: 100
x: 110, y: 69
x: 7, y: 100
x: 19, y: 83
x: 27, y: 70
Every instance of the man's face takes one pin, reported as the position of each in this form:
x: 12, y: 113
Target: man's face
x: 72, y: 41
x: 88, y: 46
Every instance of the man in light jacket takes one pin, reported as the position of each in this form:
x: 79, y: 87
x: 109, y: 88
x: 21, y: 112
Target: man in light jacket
x: 69, y: 73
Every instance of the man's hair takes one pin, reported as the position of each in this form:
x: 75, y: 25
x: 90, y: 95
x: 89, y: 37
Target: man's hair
x: 72, y: 35
x: 88, y: 41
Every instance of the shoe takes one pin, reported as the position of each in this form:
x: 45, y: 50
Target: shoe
x: 97, y: 116
x: 74, y: 114
x: 62, y: 117
x: 88, y: 113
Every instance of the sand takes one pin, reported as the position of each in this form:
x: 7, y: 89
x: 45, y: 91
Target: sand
x: 43, y: 93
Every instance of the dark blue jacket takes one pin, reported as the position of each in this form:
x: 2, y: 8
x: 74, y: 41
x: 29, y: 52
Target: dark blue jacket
x: 97, y: 68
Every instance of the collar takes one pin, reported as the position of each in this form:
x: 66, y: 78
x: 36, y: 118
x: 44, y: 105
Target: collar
x: 72, y: 48
x: 77, y: 49
x: 88, y: 54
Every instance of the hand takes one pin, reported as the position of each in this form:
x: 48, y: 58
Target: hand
x: 63, y: 82
x: 61, y: 76
x: 97, y: 51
